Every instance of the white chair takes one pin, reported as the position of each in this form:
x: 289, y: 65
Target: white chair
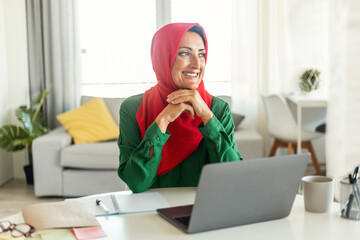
x: 282, y: 126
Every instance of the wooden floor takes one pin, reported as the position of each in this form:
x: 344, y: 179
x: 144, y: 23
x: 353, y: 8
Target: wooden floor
x: 16, y: 194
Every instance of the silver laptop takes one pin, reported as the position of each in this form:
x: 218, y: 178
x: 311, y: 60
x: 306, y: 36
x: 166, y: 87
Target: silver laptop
x: 243, y: 192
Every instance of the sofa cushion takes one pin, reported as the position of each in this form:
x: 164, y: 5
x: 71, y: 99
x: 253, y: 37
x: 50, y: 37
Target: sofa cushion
x: 237, y: 118
x: 103, y: 155
x: 92, y: 122
x: 113, y: 105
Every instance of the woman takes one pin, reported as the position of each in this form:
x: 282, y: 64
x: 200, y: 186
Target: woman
x: 168, y: 133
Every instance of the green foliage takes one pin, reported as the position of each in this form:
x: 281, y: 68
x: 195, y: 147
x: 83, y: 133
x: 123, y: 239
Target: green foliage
x: 15, y: 138
x: 12, y: 138
x: 309, y: 80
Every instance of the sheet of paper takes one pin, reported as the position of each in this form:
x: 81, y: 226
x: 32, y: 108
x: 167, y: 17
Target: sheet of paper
x: 59, y: 215
x: 63, y: 234
x: 7, y: 236
x: 90, y: 202
x: 129, y: 202
x: 141, y: 202
x: 89, y: 233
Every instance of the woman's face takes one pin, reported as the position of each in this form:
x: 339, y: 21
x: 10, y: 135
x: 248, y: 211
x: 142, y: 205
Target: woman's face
x: 189, y: 65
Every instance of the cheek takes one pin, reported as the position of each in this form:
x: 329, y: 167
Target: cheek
x: 176, y: 69
x: 203, y: 68
x: 202, y: 63
x: 175, y: 73
x: 176, y: 76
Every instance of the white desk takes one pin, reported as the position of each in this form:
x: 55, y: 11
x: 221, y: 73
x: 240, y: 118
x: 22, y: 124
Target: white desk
x: 305, y: 102
x: 298, y: 225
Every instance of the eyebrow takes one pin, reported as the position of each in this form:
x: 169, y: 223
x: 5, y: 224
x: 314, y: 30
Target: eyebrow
x: 203, y: 49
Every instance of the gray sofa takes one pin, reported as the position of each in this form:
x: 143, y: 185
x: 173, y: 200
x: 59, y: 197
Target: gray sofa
x: 62, y: 168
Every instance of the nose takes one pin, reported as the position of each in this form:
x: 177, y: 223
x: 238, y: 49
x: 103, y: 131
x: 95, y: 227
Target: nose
x: 195, y: 61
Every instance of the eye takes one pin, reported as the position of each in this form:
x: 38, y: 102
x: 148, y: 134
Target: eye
x: 184, y: 54
x: 202, y: 55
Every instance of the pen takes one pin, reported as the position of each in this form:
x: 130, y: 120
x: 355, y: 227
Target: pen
x: 355, y: 175
x: 348, y: 209
x: 102, y: 205
x: 355, y: 181
x: 356, y: 193
x: 356, y: 189
x: 115, y: 203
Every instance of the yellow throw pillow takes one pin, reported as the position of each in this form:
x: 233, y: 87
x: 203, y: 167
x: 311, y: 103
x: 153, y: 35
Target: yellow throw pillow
x: 92, y: 122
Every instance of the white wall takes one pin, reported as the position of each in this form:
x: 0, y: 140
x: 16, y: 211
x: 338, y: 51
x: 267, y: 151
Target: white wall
x: 6, y: 166
x: 309, y: 24
x: 15, y: 74
x: 343, y: 137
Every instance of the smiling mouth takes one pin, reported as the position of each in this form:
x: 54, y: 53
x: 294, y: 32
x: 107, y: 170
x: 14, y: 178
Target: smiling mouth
x: 187, y: 74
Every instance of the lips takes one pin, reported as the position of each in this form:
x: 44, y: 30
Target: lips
x: 190, y: 74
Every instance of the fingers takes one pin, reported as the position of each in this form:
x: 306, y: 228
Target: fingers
x: 182, y: 95
x: 178, y: 109
x: 189, y: 109
x: 184, y: 99
x: 191, y: 97
x: 171, y: 112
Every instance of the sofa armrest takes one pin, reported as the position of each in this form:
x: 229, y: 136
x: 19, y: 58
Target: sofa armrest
x: 48, y: 174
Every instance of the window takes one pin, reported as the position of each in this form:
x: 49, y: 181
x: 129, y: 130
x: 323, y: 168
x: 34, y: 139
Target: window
x: 115, y: 38
x: 217, y: 77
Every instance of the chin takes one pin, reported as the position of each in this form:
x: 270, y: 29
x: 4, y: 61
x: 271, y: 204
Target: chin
x: 192, y: 87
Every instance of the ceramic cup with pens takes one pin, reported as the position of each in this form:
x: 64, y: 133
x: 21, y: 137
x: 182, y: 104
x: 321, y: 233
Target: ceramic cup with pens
x: 318, y: 193
x: 349, y: 199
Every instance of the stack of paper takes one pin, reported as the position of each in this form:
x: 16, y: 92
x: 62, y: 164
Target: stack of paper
x: 59, y: 215
x: 63, y: 220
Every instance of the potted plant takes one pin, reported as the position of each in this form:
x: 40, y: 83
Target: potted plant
x: 309, y: 80
x: 15, y: 138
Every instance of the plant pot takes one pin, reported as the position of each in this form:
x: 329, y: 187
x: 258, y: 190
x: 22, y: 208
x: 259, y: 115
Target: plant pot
x: 28, y: 169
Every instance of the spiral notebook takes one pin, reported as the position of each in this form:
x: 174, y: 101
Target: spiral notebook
x: 127, y: 201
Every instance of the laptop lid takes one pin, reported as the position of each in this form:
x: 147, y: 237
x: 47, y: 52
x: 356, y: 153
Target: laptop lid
x: 244, y: 192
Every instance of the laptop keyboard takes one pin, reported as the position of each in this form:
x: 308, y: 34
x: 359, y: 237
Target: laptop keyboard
x: 185, y: 220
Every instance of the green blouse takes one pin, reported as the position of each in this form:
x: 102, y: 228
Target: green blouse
x: 139, y: 172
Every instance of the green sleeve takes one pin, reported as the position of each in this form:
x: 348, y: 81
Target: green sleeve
x: 136, y: 169
x: 219, y: 134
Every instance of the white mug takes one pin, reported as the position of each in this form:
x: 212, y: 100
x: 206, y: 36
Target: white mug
x: 318, y: 192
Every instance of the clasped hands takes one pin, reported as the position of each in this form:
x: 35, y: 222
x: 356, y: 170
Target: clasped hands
x: 183, y: 100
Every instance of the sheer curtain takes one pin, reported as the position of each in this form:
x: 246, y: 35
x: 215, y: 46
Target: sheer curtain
x: 276, y: 49
x: 245, y: 72
x: 343, y: 129
x: 54, y: 54
x: 262, y: 62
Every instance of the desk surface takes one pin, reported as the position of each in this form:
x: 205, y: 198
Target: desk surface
x: 298, y: 225
x: 308, y: 101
